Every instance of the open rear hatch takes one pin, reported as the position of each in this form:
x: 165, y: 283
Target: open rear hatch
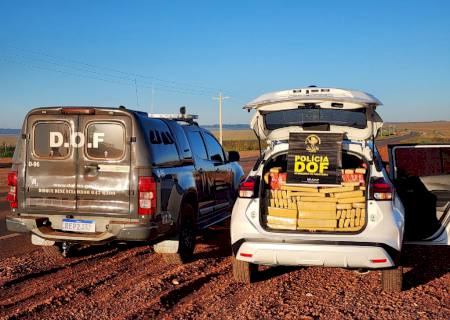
x: 315, y: 186
x: 315, y: 109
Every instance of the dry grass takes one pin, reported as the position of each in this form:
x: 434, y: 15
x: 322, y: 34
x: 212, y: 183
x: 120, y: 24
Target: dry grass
x: 431, y: 132
x: 236, y: 135
x: 239, y: 140
x: 8, y: 140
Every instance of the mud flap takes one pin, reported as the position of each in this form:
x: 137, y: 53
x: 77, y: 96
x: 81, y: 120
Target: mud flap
x: 167, y: 246
x: 38, y: 241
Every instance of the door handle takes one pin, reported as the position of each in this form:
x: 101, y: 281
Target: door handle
x: 92, y: 166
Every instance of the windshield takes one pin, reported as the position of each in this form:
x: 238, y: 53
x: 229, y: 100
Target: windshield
x: 296, y: 117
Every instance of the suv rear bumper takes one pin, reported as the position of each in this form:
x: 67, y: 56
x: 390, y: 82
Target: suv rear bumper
x: 128, y: 232
x: 345, y: 254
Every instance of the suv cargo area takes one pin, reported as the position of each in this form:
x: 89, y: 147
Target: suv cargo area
x: 317, y: 208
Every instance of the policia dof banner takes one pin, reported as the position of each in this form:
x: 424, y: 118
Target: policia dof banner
x: 314, y: 158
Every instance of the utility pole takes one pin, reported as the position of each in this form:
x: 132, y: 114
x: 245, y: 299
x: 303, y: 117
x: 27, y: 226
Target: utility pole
x: 220, y: 98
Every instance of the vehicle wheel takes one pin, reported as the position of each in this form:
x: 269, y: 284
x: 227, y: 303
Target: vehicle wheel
x: 243, y: 271
x: 53, y: 252
x: 392, y: 279
x: 186, y: 238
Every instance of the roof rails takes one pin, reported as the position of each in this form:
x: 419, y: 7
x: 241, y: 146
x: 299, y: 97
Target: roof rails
x: 175, y: 116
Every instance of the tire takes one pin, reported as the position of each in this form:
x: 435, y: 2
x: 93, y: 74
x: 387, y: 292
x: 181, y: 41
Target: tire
x: 186, y: 238
x: 53, y: 252
x: 243, y: 271
x: 392, y: 279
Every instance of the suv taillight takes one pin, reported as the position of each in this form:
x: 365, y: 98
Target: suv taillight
x: 147, y: 196
x: 380, y: 189
x: 249, y: 187
x: 12, y: 194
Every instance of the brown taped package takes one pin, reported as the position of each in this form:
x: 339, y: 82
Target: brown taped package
x: 283, y: 213
x: 312, y: 224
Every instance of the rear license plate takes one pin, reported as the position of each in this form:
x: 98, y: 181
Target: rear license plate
x: 78, y: 225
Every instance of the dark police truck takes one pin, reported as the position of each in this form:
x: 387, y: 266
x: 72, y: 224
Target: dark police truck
x: 88, y: 175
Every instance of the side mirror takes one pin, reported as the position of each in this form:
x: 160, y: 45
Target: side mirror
x: 233, y: 156
x: 216, y: 158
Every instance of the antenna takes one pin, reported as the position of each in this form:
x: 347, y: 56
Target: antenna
x: 137, y: 97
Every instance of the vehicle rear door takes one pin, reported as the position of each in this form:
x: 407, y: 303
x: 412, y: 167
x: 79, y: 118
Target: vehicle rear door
x: 204, y: 176
x: 51, y: 163
x: 421, y: 175
x: 103, y: 175
x: 223, y: 178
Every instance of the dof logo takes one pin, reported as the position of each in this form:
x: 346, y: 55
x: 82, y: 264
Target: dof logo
x: 77, y: 140
x: 312, y: 143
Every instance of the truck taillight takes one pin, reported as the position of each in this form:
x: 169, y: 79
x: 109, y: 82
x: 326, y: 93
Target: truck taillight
x: 147, y: 196
x: 12, y: 194
x: 249, y: 187
x: 380, y: 189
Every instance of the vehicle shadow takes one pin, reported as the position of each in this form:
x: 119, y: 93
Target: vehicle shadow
x: 269, y: 272
x: 214, y: 242
x: 92, y: 250
x: 426, y: 262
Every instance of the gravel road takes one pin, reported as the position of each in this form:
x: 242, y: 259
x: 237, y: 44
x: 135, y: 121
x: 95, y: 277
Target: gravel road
x: 132, y: 282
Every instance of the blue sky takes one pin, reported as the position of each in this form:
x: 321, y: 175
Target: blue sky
x: 91, y: 52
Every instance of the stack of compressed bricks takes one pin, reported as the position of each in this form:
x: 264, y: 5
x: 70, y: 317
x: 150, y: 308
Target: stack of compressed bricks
x: 339, y: 208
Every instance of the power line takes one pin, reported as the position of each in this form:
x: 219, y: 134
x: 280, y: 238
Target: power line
x: 107, y: 75
x: 130, y: 74
x: 127, y: 83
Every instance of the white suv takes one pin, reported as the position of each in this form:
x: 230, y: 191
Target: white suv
x: 319, y: 195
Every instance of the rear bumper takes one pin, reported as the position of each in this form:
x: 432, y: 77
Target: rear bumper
x: 344, y: 254
x: 17, y: 225
x: 125, y: 232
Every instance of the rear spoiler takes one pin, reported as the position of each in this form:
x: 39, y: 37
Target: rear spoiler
x: 314, y: 94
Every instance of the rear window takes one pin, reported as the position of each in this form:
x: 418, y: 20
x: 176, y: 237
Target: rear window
x: 296, y: 117
x: 105, y: 140
x: 49, y: 138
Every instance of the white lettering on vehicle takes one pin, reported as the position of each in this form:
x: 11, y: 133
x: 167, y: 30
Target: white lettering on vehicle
x: 34, y: 164
x: 77, y: 140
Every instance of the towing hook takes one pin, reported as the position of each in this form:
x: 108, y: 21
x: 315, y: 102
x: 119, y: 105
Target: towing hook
x: 65, y: 247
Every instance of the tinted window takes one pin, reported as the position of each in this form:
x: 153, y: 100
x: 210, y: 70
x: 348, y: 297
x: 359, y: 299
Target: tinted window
x: 417, y: 162
x: 197, y: 145
x: 296, y: 117
x: 105, y: 140
x: 215, y: 151
x: 179, y: 136
x: 162, y: 144
x: 49, y: 139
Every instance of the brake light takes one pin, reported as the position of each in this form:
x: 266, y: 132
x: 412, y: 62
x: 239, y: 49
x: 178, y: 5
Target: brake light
x: 248, y: 188
x: 378, y: 260
x: 246, y: 255
x: 147, y: 196
x: 381, y: 189
x: 12, y: 194
x: 89, y: 111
